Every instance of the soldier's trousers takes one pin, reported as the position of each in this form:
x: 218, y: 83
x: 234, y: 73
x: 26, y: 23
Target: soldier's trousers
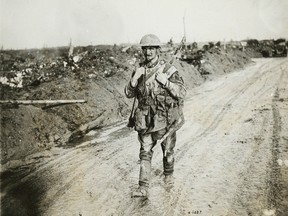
x: 147, y: 142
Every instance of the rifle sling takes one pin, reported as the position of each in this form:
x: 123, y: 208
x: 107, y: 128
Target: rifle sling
x: 145, y: 79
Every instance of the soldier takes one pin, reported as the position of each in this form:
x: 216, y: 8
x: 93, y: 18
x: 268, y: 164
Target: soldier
x: 160, y: 91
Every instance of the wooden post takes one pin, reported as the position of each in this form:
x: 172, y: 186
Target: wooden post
x: 28, y: 102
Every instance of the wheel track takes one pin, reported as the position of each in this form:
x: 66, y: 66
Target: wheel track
x: 244, y: 175
x: 179, y: 155
x: 275, y: 174
x: 64, y: 160
x: 208, y: 130
x: 81, y: 174
x: 187, y: 145
x: 218, y: 117
x: 103, y: 156
x: 226, y: 105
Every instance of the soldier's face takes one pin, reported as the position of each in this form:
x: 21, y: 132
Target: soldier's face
x: 150, y: 53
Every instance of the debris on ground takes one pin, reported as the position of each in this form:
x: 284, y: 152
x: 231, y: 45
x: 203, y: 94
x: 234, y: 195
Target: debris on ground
x: 96, y: 74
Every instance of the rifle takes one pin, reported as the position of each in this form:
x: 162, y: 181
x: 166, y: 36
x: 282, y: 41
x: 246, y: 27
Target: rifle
x: 176, y: 125
x: 178, y: 49
x: 131, y: 121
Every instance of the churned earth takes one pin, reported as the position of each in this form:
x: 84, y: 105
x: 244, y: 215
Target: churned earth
x: 98, y: 78
x: 231, y: 158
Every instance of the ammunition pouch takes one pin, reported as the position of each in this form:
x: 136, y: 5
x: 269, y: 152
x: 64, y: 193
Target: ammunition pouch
x: 170, y: 107
x: 131, y: 122
x: 146, y: 101
x: 156, y: 114
x: 159, y: 121
x: 142, y: 119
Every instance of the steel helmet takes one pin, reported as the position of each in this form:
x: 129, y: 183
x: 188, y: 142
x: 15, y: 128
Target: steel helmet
x: 150, y: 40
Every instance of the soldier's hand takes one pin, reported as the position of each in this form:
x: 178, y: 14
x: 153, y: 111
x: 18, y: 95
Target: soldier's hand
x: 161, y: 77
x: 138, y: 73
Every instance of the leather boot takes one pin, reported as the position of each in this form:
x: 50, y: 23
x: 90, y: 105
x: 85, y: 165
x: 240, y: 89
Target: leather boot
x: 169, y: 180
x: 141, y: 191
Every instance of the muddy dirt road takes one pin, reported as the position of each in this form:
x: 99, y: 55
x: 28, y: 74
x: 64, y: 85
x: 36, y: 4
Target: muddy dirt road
x: 231, y: 159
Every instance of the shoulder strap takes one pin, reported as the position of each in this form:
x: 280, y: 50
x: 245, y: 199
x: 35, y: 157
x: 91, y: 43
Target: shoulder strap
x: 169, y: 69
x: 150, y: 74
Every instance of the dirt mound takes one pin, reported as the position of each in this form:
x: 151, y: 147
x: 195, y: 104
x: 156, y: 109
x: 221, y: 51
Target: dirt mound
x: 26, y: 130
x: 95, y: 74
x: 253, y: 53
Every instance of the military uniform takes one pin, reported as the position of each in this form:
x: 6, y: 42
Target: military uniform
x: 159, y: 106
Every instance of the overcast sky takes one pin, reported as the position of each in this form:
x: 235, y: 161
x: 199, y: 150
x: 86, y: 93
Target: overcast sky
x: 49, y: 23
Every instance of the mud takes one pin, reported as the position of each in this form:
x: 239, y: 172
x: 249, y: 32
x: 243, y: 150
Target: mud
x: 231, y: 158
x: 99, y: 78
